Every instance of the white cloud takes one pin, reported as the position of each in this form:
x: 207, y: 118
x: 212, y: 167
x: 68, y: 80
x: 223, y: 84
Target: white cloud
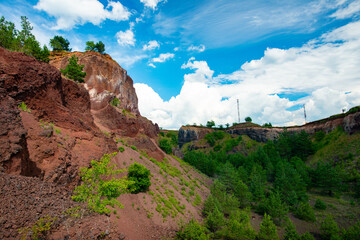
x: 151, y: 45
x: 327, y: 69
x: 69, y: 13
x: 127, y: 60
x: 152, y: 65
x: 176, y: 49
x: 202, y: 71
x: 163, y: 57
x: 151, y: 3
x: 348, y: 11
x: 126, y: 38
x: 199, y: 48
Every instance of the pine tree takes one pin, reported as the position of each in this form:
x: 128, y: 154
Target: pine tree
x: 73, y: 70
x: 267, y: 229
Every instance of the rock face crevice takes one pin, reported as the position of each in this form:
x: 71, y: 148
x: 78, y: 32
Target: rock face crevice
x: 350, y: 124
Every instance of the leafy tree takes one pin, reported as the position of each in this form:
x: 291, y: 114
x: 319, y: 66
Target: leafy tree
x: 25, y: 33
x: 96, y: 190
x: 192, y: 231
x: 73, y: 70
x: 210, y: 124
x: 97, y: 47
x: 139, y: 175
x: 58, y: 43
x: 352, y: 233
x: 165, y: 145
x: 267, y: 229
x: 248, y: 119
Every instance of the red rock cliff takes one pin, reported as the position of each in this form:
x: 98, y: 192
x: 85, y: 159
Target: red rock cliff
x: 104, y: 79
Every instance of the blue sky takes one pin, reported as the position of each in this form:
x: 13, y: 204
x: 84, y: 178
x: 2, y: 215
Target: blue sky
x: 191, y: 60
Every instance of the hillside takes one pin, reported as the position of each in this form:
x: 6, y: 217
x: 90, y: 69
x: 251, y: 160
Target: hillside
x: 305, y: 178
x: 51, y: 127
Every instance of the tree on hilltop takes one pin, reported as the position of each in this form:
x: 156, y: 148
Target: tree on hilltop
x: 58, y: 43
x: 73, y: 70
x: 210, y: 124
x: 96, y: 47
x: 248, y: 119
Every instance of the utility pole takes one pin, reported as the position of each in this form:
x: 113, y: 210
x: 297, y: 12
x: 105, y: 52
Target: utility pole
x: 237, y: 100
x: 304, y: 113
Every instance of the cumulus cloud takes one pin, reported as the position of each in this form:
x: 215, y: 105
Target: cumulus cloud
x: 348, y: 11
x: 163, y: 57
x: 151, y: 45
x: 199, y: 48
x: 69, y: 13
x: 151, y: 65
x: 126, y: 38
x: 326, y: 69
x: 152, y: 3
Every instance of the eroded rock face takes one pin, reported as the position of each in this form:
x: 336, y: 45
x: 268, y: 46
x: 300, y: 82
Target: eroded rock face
x: 350, y: 124
x: 105, y: 79
x: 28, y: 145
x: 188, y: 134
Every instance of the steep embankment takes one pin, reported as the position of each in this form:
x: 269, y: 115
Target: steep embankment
x: 61, y: 127
x: 349, y: 122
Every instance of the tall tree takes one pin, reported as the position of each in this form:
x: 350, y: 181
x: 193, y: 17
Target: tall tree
x: 58, y: 43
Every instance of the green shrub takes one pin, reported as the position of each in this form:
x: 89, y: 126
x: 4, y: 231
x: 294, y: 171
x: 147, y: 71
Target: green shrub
x: 23, y: 107
x: 121, y: 149
x: 133, y: 147
x: 307, y: 236
x: 140, y: 177
x: 97, y: 192
x: 115, y: 102
x: 192, y: 231
x: 329, y: 229
x: 290, y: 231
x: 165, y: 145
x: 319, y: 204
x: 305, y: 212
x: 39, y: 229
x: 352, y: 233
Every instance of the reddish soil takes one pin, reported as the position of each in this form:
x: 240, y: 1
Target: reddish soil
x: 42, y: 150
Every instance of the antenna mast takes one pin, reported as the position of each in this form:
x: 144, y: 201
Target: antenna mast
x: 237, y: 100
x: 304, y: 113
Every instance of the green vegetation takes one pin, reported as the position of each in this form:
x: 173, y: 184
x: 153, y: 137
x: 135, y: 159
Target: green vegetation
x: 139, y: 175
x: 58, y: 43
x: 96, y: 47
x: 39, y: 229
x: 248, y: 119
x: 97, y: 190
x: 73, y: 70
x: 23, y: 107
x: 210, y: 124
x: 275, y: 179
x: 121, y: 149
x: 22, y: 41
x: 115, y: 102
x: 168, y: 142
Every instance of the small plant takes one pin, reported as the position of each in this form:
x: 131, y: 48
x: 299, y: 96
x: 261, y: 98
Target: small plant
x: 133, y: 147
x: 140, y: 177
x: 73, y: 70
x: 115, y: 102
x: 319, y: 204
x: 305, y: 212
x: 23, y: 107
x: 121, y: 149
x: 39, y: 229
x: 197, y: 200
x: 97, y: 192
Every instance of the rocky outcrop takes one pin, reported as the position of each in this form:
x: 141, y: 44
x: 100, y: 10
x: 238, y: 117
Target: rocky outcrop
x: 349, y: 122
x: 28, y: 145
x: 188, y: 134
x: 104, y: 80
